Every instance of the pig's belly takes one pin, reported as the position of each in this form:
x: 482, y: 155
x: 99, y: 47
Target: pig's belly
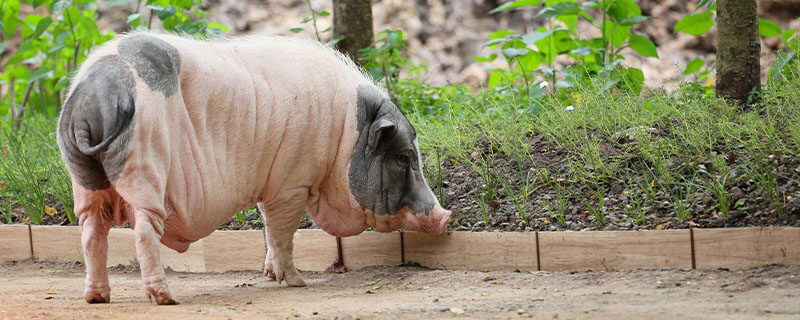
x: 180, y: 231
x: 176, y: 235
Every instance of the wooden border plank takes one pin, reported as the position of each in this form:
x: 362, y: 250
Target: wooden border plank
x: 193, y: 260
x: 15, y: 242
x: 314, y: 250
x: 234, y: 250
x: 613, y: 250
x: 746, y: 247
x: 121, y: 247
x: 371, y: 249
x: 62, y: 243
x: 473, y: 250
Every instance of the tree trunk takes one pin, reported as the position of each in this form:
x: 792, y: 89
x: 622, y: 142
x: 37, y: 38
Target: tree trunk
x: 352, y: 19
x: 738, y: 50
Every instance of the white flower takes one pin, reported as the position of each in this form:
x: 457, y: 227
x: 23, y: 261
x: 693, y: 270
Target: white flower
x: 569, y: 108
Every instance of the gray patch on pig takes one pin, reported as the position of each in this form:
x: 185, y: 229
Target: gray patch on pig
x: 385, y: 172
x: 157, y: 62
x: 96, y: 123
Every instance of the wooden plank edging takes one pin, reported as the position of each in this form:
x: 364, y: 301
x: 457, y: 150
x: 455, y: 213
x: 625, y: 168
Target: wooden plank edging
x: 315, y: 250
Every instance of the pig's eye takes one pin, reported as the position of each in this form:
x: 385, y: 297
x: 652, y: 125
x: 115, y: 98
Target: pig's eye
x: 401, y: 159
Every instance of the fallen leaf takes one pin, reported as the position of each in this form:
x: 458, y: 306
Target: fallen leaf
x: 485, y: 294
x: 692, y: 223
x: 585, y: 213
x: 49, y: 292
x: 50, y: 211
x: 660, y: 226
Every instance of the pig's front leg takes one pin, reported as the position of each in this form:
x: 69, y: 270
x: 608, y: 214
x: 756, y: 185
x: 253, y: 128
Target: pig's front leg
x: 153, y: 277
x: 94, y: 240
x: 280, y: 226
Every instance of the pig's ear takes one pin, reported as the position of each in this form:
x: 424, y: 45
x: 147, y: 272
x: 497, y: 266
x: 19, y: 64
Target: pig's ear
x: 379, y: 127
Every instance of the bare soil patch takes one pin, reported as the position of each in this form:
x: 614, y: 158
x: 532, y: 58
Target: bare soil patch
x: 41, y: 290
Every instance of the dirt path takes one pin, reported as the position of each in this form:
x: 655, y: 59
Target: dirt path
x: 30, y: 290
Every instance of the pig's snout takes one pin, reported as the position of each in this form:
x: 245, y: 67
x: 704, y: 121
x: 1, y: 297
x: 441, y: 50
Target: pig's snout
x: 435, y: 222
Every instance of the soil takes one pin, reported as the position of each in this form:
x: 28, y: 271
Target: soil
x: 41, y: 290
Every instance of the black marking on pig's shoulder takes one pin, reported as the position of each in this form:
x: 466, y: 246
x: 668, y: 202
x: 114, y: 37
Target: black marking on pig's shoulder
x: 96, y: 123
x: 157, y: 62
x: 386, y: 176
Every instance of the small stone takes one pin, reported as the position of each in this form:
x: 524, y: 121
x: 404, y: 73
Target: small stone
x: 457, y: 311
x: 436, y: 300
x: 521, y: 311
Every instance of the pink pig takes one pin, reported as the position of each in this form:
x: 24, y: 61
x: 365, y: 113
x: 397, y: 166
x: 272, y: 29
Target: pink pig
x: 176, y: 135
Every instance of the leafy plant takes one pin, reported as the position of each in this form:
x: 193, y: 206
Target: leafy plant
x: 385, y: 58
x: 596, y: 59
x: 698, y: 23
x: 317, y: 33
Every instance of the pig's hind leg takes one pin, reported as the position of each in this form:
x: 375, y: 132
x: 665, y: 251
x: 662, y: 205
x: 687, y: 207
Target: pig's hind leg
x: 267, y: 261
x: 93, y: 209
x: 281, y: 225
x: 147, y: 236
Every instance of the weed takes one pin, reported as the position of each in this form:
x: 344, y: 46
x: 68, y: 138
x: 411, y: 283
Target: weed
x: 318, y: 34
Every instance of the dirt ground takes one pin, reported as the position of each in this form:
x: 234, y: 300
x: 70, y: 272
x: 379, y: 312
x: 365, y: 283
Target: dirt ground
x: 40, y: 290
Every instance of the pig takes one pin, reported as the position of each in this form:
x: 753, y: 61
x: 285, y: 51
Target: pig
x: 175, y: 135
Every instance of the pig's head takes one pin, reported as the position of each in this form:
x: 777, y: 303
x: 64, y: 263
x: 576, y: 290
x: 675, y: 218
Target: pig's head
x: 386, y: 170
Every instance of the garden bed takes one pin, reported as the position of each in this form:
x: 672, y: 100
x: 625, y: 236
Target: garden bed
x: 315, y: 250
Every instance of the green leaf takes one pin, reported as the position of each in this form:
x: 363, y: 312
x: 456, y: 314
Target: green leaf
x: 40, y: 73
x: 493, y: 43
x: 537, y: 35
x: 643, y: 46
x: 590, y: 5
x: 490, y: 58
x: 297, y: 30
x: 786, y: 35
x: 515, y: 4
x: 530, y: 61
x: 561, y: 8
x: 695, y: 24
x: 133, y: 17
x: 306, y: 19
x: 324, y: 13
x: 41, y: 27
x: 635, y: 79
x: 3, y: 46
x: 582, y: 51
x: 701, y: 4
x: 502, y: 33
x: 633, y: 20
x: 166, y: 13
x: 511, y: 53
x: 57, y: 48
x: 620, y: 10
x: 768, y: 28
x: 117, y: 2
x: 36, y: 58
x: 780, y: 62
x: 37, y: 3
x: 617, y: 34
x: 693, y: 66
x: 59, y: 5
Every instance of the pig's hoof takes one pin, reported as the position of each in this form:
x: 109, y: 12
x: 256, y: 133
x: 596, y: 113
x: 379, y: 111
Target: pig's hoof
x: 161, y: 294
x: 295, y: 281
x: 269, y: 274
x: 97, y: 297
x: 97, y: 293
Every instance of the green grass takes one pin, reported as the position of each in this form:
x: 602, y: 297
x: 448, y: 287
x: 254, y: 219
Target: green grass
x: 655, y: 143
x: 32, y: 175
